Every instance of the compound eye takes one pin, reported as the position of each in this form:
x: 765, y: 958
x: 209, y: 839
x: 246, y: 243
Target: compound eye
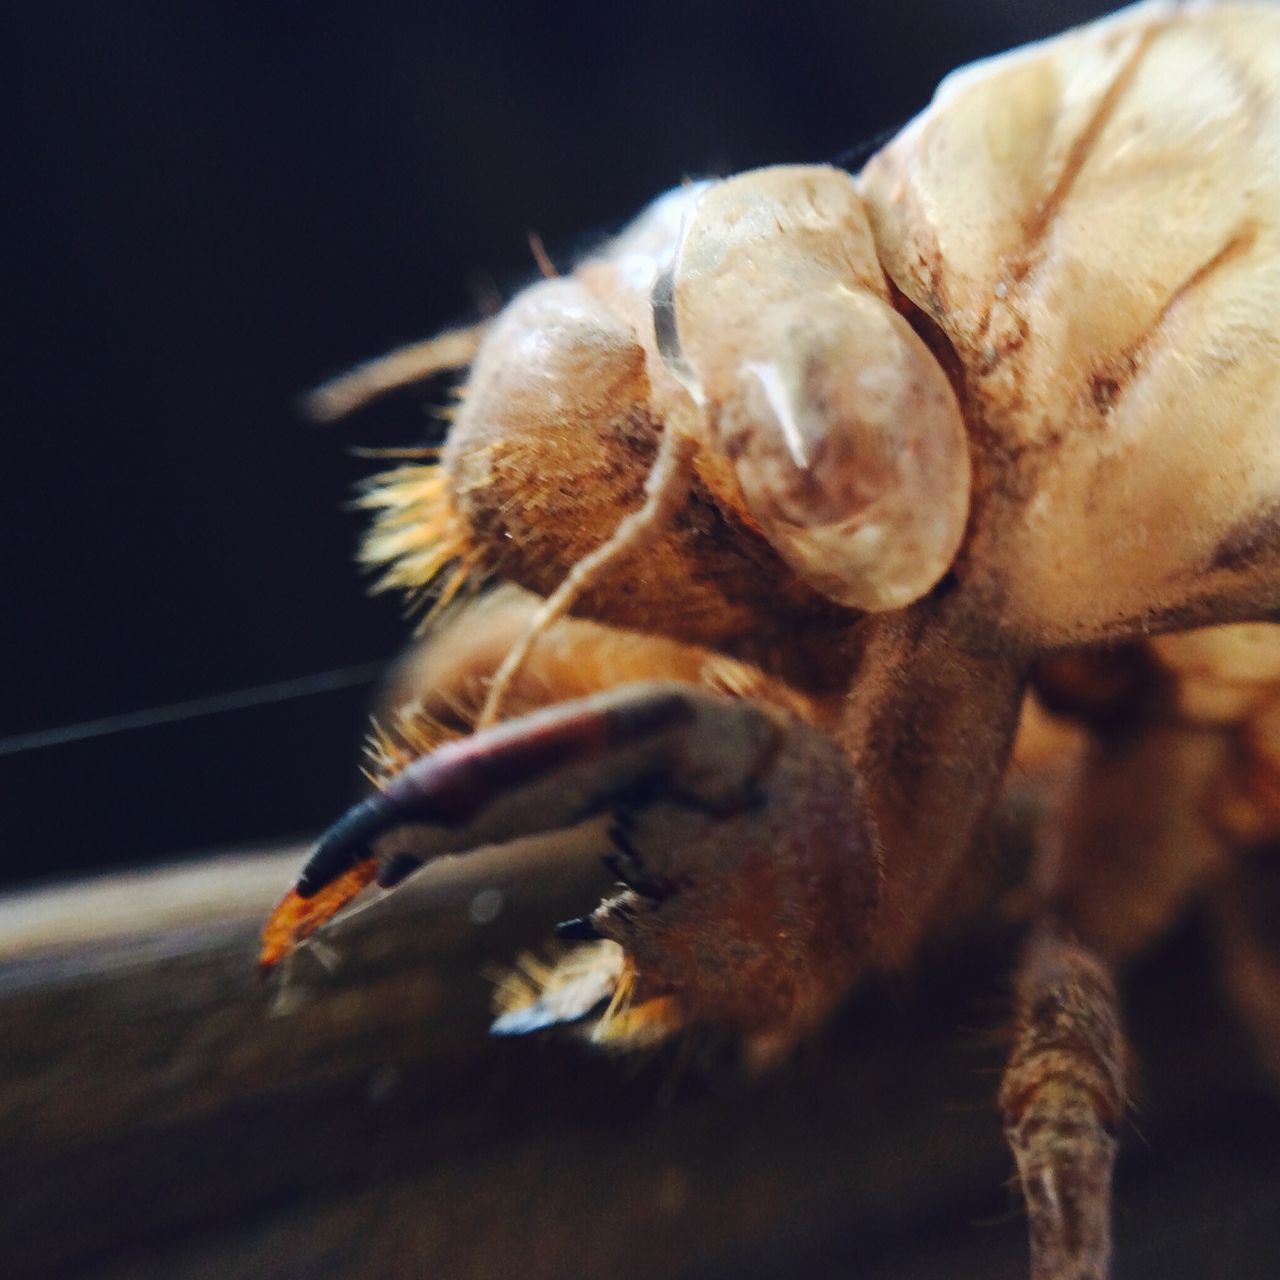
x: 850, y: 448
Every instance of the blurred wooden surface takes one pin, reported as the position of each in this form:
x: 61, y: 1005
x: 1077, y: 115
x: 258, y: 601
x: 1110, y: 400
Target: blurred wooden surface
x: 159, y: 1119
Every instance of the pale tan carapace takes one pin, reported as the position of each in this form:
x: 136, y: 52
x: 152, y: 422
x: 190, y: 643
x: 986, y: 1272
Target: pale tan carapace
x: 813, y: 474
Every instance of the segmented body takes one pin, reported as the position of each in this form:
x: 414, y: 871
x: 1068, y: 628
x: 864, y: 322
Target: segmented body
x: 817, y: 474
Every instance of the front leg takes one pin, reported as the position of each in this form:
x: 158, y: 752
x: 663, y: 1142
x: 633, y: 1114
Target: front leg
x: 751, y: 865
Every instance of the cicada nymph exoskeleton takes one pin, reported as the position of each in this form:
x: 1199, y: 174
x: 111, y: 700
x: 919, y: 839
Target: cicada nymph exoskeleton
x: 804, y: 479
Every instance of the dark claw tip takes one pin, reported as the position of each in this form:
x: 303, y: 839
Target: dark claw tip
x: 582, y: 929
x: 397, y: 869
x: 342, y: 846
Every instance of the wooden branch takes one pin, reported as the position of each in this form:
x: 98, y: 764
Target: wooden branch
x: 159, y: 1118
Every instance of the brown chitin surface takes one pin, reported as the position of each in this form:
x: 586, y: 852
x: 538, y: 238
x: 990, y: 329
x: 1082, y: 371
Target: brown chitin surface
x: 758, y: 923
x: 556, y: 438
x: 1062, y: 1100
x: 1136, y: 843
x: 1093, y: 225
x: 928, y: 727
x: 439, y: 687
x: 1246, y: 804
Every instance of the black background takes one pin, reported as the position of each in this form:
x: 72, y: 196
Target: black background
x: 217, y: 206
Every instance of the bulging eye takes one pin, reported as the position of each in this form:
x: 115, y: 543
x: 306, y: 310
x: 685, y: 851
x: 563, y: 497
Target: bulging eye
x: 850, y: 448
x: 846, y: 439
x: 552, y: 447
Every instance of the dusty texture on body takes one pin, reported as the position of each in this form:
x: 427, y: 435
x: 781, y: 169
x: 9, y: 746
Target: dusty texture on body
x: 1094, y: 225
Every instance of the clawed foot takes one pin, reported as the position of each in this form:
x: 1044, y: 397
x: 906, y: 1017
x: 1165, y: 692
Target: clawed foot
x: 748, y: 865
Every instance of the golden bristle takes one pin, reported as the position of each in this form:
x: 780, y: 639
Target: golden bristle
x: 570, y: 983
x: 622, y: 995
x: 628, y: 1024
x: 416, y: 732
x: 397, y: 453
x: 519, y: 985
x: 567, y: 982
x: 741, y: 680
x: 462, y: 574
x: 416, y: 535
x: 639, y: 1026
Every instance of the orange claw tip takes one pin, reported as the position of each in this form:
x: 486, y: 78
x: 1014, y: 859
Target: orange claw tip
x: 296, y: 918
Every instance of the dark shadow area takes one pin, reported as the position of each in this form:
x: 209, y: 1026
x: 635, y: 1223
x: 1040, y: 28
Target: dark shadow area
x: 219, y: 205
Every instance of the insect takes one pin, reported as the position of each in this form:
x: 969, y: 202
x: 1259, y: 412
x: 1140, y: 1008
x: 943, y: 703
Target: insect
x: 798, y: 488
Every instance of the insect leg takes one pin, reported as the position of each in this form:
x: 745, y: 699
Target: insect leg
x: 665, y: 491
x: 1061, y: 1100
x: 749, y: 863
x: 548, y: 770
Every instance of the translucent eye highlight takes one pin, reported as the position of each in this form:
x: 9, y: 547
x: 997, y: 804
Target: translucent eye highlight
x: 850, y: 449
